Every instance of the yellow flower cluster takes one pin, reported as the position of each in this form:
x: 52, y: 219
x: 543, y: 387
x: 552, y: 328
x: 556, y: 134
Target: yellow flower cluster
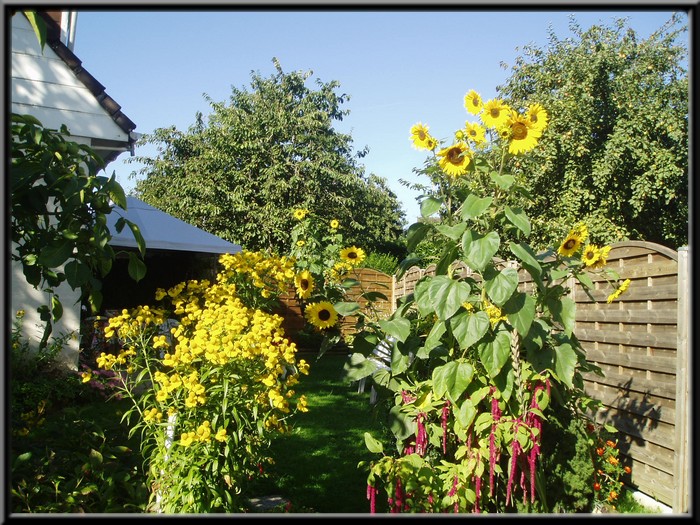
x: 268, y: 272
x: 128, y: 326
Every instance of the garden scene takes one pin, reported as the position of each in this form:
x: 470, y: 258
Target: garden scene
x: 343, y: 361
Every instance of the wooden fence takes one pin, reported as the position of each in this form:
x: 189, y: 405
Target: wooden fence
x: 640, y: 341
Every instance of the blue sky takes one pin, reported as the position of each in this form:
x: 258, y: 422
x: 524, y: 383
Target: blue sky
x: 398, y: 66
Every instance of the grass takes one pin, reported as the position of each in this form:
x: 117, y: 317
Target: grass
x: 316, y: 466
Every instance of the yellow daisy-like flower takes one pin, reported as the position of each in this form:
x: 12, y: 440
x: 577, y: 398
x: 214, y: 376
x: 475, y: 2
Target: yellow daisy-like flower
x: 523, y: 136
x: 573, y: 241
x: 352, y: 255
x: 300, y: 243
x: 494, y: 312
x: 476, y: 133
x: 455, y: 159
x: 421, y: 138
x: 335, y: 224
x: 304, y: 283
x: 300, y: 213
x: 473, y: 102
x: 220, y: 435
x: 591, y: 254
x: 321, y: 315
x: 495, y: 113
x: 537, y: 116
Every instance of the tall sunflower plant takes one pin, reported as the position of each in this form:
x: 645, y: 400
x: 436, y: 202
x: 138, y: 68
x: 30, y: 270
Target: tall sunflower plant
x: 325, y: 274
x: 210, y: 375
x: 478, y: 360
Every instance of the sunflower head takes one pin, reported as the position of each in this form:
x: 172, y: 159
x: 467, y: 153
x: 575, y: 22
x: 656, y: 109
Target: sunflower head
x: 523, y: 135
x: 537, y: 116
x: 455, y: 159
x: 591, y: 253
x: 300, y: 213
x: 304, y: 283
x: 322, y: 314
x: 602, y: 259
x: 421, y: 138
x: 476, y: 133
x: 573, y: 241
x: 352, y: 255
x: 473, y: 102
x: 495, y: 113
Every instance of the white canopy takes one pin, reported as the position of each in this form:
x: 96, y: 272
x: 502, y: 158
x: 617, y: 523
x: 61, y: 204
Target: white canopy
x: 162, y: 231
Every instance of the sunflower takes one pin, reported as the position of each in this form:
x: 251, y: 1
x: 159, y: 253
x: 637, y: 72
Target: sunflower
x: 334, y: 224
x: 321, y: 315
x: 523, y: 136
x: 602, y: 257
x: 617, y: 293
x: 473, y: 102
x: 573, y: 241
x: 352, y: 255
x: 476, y: 133
x: 304, y: 283
x: 495, y: 113
x: 537, y: 116
x: 421, y: 138
x: 300, y: 213
x: 455, y: 159
x: 591, y: 254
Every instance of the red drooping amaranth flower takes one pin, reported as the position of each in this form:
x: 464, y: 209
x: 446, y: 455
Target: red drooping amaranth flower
x: 421, y: 435
x: 445, y: 414
x: 534, y: 422
x: 477, y: 489
x: 398, y: 497
x: 372, y: 497
x: 493, y: 453
x: 514, y: 461
x: 406, y: 397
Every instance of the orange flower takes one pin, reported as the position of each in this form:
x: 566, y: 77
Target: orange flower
x: 613, y: 460
x: 596, y: 486
x: 610, y: 444
x: 613, y: 496
x: 628, y: 470
x: 600, y: 451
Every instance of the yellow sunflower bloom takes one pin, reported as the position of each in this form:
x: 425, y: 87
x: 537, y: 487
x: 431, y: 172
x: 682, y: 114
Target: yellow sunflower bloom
x: 591, y: 254
x: 300, y: 213
x: 495, y: 113
x: 421, y: 138
x: 473, y: 102
x: 573, y: 241
x: 537, y: 116
x: 304, y: 283
x: 321, y: 315
x: 455, y: 159
x: 523, y: 136
x: 352, y: 255
x: 602, y: 257
x: 476, y: 133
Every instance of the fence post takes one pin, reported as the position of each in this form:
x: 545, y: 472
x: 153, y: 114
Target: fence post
x: 682, y: 461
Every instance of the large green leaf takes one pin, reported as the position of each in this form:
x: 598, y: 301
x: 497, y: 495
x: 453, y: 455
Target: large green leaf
x: 415, y: 234
x: 452, y: 379
x: 501, y: 285
x: 520, y: 310
x: 357, y: 367
x: 430, y: 206
x: 464, y: 417
x: 519, y: 219
x: 528, y: 260
x: 442, y: 295
x: 564, y: 311
x: 56, y: 253
x: 136, y: 268
x: 565, y: 363
x: 452, y: 232
x: 77, y: 274
x: 494, y: 352
x: 346, y: 307
x: 467, y: 328
x: 398, y: 328
x: 373, y: 445
x: 401, y: 425
x: 434, y: 337
x: 474, y: 206
x: 479, y: 249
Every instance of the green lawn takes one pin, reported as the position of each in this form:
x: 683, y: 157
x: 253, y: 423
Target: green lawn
x: 316, y: 463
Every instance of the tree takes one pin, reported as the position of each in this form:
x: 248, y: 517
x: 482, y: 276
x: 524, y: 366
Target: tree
x: 616, y: 154
x: 58, y: 215
x: 270, y: 150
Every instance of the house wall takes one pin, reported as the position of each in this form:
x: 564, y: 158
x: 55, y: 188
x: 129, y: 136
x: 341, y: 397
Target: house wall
x: 45, y: 87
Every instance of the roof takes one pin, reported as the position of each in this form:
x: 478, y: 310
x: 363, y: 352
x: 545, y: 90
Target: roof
x: 162, y: 231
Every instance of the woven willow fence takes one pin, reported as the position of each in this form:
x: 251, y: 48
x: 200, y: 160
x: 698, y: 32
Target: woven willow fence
x: 640, y: 341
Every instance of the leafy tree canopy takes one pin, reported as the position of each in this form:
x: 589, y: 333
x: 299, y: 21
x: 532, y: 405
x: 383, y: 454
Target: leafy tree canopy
x: 616, y: 153
x: 272, y: 149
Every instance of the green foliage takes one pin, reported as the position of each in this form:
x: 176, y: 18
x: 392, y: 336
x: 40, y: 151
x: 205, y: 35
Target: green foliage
x: 268, y: 150
x: 616, y: 153
x: 58, y: 210
x: 382, y: 262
